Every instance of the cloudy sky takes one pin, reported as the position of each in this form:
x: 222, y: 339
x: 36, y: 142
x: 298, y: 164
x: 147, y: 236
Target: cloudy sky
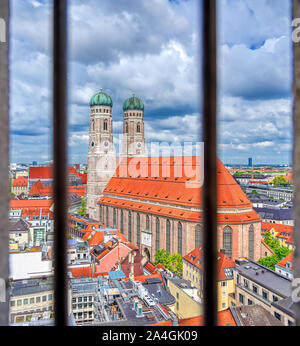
x: 151, y: 47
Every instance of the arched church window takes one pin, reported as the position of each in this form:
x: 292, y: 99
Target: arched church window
x: 179, y: 237
x: 126, y: 127
x: 147, y: 223
x: 198, y: 236
x: 168, y: 236
x: 138, y: 127
x: 105, y: 125
x: 251, y: 242
x: 121, y: 222
x: 227, y: 241
x: 107, y: 217
x: 138, y: 230
x: 157, y: 238
x: 93, y: 125
x: 115, y: 217
x: 129, y: 225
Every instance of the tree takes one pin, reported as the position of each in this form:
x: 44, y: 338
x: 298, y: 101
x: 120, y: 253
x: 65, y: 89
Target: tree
x: 254, y: 192
x: 171, y: 262
x: 280, y: 252
x: 280, y: 179
x: 82, y: 209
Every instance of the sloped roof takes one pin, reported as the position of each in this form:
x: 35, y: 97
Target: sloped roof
x: 20, y: 181
x: 225, y: 318
x: 288, y: 258
x: 156, y: 180
x: 224, y: 262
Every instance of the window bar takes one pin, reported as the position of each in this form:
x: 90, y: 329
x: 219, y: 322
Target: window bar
x: 60, y: 159
x: 4, y: 162
x: 296, y: 155
x: 210, y: 162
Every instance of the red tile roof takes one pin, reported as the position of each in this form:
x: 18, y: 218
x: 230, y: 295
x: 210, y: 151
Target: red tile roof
x: 40, y: 172
x: 20, y: 181
x: 83, y: 178
x: 46, y: 172
x: 174, y: 191
x: 267, y: 226
x: 195, y: 257
x: 288, y: 258
x: 32, y: 207
x: 225, y: 318
x: 38, y: 189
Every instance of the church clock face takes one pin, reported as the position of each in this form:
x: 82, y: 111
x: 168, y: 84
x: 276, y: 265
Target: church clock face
x: 106, y: 144
x: 138, y: 145
x: 92, y: 144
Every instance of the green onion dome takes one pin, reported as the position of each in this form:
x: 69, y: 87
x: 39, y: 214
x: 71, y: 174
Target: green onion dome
x: 101, y: 99
x: 133, y: 103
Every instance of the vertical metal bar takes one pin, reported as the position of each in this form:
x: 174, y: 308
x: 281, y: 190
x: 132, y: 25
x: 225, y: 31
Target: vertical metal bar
x: 4, y: 162
x: 60, y: 158
x: 210, y: 162
x: 296, y: 154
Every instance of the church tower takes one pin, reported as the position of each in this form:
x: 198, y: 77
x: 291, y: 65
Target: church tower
x: 101, y: 156
x: 133, y: 128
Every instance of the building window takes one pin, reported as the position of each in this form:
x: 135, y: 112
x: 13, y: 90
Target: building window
x: 179, y: 237
x: 114, y: 217
x: 246, y: 283
x: 241, y: 298
x: 198, y: 236
x: 38, y: 299
x: 277, y: 315
x: 31, y: 300
x: 12, y: 303
x: 227, y: 241
x: 250, y: 302
x: 25, y: 302
x: 121, y: 222
x: 254, y: 288
x: 147, y: 223
x: 101, y: 213
x: 251, y: 242
x: 105, y: 125
x: 168, y: 236
x: 275, y: 299
x: 129, y: 225
x: 107, y: 216
x: 93, y: 125
x: 157, y: 238
x: 265, y: 295
x: 138, y: 127
x: 138, y: 230
x: 44, y: 298
x: 126, y: 127
x: 223, y: 283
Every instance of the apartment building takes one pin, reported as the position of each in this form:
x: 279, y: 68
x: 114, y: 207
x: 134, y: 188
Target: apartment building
x: 31, y: 299
x: 258, y: 285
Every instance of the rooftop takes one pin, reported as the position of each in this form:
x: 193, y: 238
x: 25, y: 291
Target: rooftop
x: 266, y: 278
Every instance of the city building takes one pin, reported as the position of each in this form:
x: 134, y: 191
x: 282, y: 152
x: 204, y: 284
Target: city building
x: 285, y: 266
x: 188, y: 303
x: 259, y: 285
x: 193, y: 272
x: 19, y: 185
x: 31, y: 299
x: 157, y: 206
x: 282, y: 216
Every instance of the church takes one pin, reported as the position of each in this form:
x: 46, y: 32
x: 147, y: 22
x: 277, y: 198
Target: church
x: 155, y: 201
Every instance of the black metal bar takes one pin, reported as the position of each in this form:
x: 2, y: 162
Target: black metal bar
x: 4, y: 162
x: 60, y: 159
x: 210, y: 162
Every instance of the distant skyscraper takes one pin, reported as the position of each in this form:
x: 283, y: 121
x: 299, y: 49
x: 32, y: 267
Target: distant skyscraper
x: 250, y: 161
